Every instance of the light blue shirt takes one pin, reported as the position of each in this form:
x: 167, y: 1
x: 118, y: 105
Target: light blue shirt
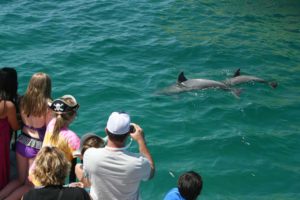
x: 174, y: 194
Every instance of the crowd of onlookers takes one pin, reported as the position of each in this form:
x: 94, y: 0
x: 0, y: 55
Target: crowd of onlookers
x: 46, y: 149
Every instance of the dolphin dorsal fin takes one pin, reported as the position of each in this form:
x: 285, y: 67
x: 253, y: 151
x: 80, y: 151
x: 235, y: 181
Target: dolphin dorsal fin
x: 181, y: 78
x: 237, y: 72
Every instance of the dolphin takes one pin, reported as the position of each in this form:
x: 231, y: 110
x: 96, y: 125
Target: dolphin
x: 239, y: 79
x: 185, y: 85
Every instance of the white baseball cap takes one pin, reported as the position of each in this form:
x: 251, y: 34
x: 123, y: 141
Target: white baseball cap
x: 118, y: 123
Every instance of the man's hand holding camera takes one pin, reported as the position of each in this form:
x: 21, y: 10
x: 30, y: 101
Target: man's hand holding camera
x: 137, y: 133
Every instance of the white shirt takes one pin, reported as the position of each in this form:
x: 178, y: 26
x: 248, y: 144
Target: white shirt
x: 115, y: 174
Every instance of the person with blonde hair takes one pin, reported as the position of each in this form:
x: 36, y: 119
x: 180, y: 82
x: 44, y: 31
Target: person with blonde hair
x: 58, y: 133
x: 35, y: 116
x: 51, y: 170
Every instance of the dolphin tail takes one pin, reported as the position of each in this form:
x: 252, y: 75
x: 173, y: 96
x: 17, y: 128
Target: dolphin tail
x: 273, y: 84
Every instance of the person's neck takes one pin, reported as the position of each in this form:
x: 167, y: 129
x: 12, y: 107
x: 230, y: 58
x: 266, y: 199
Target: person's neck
x: 116, y: 145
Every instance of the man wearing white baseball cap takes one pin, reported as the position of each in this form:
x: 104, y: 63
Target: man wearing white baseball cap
x: 115, y: 173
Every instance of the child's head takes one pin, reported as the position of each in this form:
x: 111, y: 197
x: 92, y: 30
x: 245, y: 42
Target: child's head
x: 40, y: 84
x: 190, y: 185
x: 90, y: 140
x: 37, y: 94
x: 8, y: 83
x: 66, y: 106
x: 65, y: 109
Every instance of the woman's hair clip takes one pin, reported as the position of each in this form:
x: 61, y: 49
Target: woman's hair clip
x: 60, y: 106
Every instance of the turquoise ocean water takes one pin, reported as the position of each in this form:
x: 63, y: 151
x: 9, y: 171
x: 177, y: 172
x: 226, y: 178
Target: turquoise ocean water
x: 116, y: 55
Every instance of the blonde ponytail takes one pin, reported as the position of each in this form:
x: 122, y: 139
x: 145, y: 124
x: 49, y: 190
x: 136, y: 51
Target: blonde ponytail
x: 59, y: 124
x: 65, y: 110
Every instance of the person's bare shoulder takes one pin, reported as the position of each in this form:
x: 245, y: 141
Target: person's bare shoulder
x: 10, y: 105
